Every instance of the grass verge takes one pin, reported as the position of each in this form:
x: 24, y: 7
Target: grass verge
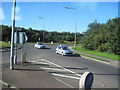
x: 92, y: 57
x: 97, y: 53
x: 4, y: 45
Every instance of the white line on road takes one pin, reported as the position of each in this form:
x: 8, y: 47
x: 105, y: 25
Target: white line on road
x: 36, y: 61
x: 52, y: 69
x: 64, y: 83
x: 62, y: 68
x: 65, y: 76
x: 42, y: 63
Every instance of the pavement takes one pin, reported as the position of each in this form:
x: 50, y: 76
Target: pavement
x: 29, y: 75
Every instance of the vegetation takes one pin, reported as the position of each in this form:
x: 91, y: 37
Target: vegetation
x: 92, y: 57
x: 37, y: 35
x: 103, y: 37
x: 97, y: 53
x: 3, y: 44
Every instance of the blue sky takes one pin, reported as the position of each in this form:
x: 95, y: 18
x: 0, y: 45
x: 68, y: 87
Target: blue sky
x: 56, y: 17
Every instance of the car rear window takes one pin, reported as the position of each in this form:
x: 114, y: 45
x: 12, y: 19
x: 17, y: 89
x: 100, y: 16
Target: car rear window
x: 40, y: 44
x: 65, y: 48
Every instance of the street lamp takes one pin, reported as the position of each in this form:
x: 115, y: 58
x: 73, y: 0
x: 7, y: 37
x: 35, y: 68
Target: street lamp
x: 75, y: 25
x: 12, y: 37
x: 43, y: 27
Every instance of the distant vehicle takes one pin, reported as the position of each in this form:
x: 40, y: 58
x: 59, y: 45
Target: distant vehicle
x: 63, y: 50
x: 40, y: 45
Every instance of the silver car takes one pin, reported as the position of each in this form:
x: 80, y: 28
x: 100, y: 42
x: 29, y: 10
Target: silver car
x: 63, y: 50
x: 39, y: 45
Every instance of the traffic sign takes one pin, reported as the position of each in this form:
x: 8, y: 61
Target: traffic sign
x: 86, y: 80
x: 21, y: 38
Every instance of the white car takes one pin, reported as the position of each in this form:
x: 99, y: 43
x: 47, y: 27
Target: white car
x: 40, y: 45
x: 63, y: 50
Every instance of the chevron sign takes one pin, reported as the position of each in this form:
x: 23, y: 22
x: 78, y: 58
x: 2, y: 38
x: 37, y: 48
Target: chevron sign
x: 21, y: 38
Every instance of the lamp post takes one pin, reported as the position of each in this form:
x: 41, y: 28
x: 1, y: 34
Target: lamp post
x: 12, y: 38
x: 43, y: 27
x: 75, y: 26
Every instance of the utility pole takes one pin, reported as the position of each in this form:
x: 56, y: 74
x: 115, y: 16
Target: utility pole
x: 12, y: 38
x: 43, y: 27
x: 75, y: 32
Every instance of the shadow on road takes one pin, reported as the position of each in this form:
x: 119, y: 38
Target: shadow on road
x: 74, y: 55
x: 75, y: 68
x: 45, y: 48
x: 29, y: 69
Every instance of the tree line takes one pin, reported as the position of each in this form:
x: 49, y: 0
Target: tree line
x: 37, y: 35
x: 100, y: 37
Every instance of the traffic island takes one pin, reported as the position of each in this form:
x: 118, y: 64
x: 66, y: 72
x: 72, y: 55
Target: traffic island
x: 29, y: 75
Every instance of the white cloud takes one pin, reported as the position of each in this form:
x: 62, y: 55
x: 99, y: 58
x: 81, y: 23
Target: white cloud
x: 2, y: 15
x: 18, y: 15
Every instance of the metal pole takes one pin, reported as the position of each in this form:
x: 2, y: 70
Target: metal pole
x: 43, y: 30
x: 12, y: 38
x: 15, y: 59
x: 75, y: 32
x: 75, y: 26
x: 22, y: 54
x: 43, y: 27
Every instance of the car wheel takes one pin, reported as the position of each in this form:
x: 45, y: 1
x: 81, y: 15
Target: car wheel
x: 62, y: 54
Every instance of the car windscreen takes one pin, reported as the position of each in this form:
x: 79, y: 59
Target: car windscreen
x: 65, y: 48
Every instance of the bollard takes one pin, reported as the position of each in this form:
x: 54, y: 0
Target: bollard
x: 24, y: 57
x: 86, y: 81
x: 15, y: 59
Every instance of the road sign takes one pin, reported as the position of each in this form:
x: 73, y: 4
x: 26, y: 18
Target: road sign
x: 86, y: 80
x: 21, y: 38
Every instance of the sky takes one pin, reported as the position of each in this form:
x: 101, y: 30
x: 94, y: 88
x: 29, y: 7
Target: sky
x: 55, y: 17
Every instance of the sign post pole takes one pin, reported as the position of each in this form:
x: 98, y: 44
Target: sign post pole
x: 15, y: 58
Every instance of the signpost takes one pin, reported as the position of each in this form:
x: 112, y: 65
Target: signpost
x: 20, y: 38
x: 86, y: 80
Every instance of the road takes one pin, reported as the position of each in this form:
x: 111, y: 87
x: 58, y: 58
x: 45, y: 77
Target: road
x: 105, y: 76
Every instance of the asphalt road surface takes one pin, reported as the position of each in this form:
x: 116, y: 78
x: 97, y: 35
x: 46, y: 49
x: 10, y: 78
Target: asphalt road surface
x: 68, y: 69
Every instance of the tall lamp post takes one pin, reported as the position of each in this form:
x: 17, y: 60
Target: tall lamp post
x: 12, y: 38
x: 75, y: 25
x: 43, y: 27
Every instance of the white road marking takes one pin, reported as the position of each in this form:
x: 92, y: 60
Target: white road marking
x: 36, y: 61
x: 42, y: 63
x: 62, y: 68
x: 64, y: 83
x: 65, y: 76
x: 52, y: 69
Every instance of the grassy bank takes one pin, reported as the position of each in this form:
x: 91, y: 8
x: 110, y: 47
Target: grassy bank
x: 97, y: 53
x: 4, y: 45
